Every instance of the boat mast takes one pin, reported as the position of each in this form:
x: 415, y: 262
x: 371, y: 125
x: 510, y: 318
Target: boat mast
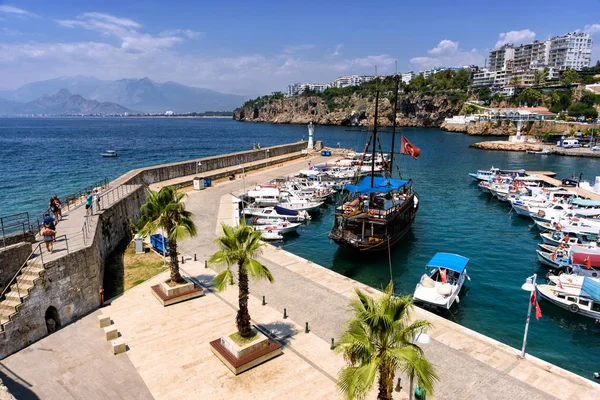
x: 374, y: 139
x: 394, y: 126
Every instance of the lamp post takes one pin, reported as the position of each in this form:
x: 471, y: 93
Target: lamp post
x: 421, y: 338
x: 244, y: 183
x: 198, y: 167
x: 267, y: 157
x: 528, y: 286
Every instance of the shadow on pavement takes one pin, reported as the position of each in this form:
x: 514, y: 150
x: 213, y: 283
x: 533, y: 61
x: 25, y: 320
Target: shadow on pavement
x: 17, y: 387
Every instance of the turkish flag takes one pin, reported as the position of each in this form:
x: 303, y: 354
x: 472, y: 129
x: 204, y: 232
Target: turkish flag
x: 409, y: 148
x: 532, y: 299
x: 538, y: 311
x: 588, y: 262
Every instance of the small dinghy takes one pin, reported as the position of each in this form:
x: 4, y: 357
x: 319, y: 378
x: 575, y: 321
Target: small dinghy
x: 272, y: 236
x: 109, y: 153
x: 441, y: 287
x: 283, y: 228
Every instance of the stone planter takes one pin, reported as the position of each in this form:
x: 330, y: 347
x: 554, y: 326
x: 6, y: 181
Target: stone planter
x: 168, y: 295
x: 239, y: 358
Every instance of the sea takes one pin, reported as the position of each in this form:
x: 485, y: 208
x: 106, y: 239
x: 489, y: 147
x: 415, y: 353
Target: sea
x: 40, y: 157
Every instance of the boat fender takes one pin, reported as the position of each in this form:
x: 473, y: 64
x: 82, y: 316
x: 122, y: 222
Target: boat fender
x: 541, y: 214
x: 574, y: 308
x: 270, y: 231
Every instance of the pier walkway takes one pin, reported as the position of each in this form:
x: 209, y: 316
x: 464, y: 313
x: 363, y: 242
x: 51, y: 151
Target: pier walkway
x: 169, y: 351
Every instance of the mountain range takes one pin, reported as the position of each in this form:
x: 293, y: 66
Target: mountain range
x: 136, y: 94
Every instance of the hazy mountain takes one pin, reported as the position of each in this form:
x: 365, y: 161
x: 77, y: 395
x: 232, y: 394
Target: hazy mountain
x: 139, y: 94
x: 64, y: 102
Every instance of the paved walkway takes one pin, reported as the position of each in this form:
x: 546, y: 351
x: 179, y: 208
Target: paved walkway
x: 73, y: 363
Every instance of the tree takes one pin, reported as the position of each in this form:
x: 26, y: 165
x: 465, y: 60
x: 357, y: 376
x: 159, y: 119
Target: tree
x: 582, y: 110
x: 165, y: 210
x: 539, y: 77
x: 377, y: 341
x: 514, y: 81
x: 529, y: 96
x: 239, y: 246
x: 569, y: 76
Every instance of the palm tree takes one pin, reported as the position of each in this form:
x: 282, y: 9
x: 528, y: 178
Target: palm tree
x: 539, y: 77
x: 240, y: 246
x: 377, y: 341
x: 514, y: 81
x: 165, y: 210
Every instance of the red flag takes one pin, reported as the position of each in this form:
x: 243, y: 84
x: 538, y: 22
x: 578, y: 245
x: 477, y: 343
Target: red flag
x: 443, y: 275
x: 532, y: 299
x: 409, y: 148
x: 538, y: 311
x: 588, y: 262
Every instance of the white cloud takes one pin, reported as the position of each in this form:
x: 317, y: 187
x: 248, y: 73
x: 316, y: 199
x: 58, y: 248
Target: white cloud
x: 10, y: 32
x: 592, y: 29
x: 337, y: 50
x: 448, y: 54
x: 190, y: 34
x: 297, y: 48
x: 515, y: 37
x: 15, y: 11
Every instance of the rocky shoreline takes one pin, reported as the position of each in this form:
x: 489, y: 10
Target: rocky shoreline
x: 506, y: 128
x: 506, y: 146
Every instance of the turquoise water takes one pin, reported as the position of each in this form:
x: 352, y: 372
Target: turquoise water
x: 41, y: 157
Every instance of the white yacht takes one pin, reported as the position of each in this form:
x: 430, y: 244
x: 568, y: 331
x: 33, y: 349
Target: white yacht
x: 579, y: 298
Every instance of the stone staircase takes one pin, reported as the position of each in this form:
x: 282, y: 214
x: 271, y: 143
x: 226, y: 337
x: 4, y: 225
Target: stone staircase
x: 19, y: 290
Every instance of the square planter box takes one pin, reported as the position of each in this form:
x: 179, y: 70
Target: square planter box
x: 240, y: 358
x: 168, y: 295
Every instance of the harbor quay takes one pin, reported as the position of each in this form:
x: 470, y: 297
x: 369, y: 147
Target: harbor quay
x: 168, y: 354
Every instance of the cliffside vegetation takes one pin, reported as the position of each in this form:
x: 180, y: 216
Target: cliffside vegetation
x: 422, y: 102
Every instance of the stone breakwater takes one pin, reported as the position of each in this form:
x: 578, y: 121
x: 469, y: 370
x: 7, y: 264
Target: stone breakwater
x: 506, y: 146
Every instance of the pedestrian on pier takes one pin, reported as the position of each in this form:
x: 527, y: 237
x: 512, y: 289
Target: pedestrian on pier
x: 258, y: 146
x: 88, y: 204
x: 254, y: 146
x: 59, y: 206
x: 48, y: 232
x: 54, y: 207
x: 97, y: 198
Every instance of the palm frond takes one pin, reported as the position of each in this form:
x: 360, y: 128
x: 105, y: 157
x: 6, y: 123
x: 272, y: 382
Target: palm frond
x: 223, y: 279
x: 355, y: 382
x: 257, y: 271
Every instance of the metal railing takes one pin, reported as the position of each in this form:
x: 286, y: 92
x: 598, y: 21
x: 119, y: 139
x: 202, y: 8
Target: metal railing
x: 37, y: 250
x: 14, y: 224
x: 76, y: 199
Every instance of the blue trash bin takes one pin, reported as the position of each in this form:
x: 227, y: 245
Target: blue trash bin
x: 207, y: 182
x: 156, y: 241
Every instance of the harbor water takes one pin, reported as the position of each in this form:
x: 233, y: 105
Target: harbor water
x: 42, y: 157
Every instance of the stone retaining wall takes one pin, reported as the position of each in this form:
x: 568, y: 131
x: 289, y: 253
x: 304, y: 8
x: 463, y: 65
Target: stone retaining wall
x: 11, y: 259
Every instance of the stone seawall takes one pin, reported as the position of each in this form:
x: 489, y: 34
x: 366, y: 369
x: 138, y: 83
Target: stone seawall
x: 505, y: 128
x: 69, y: 285
x: 11, y: 259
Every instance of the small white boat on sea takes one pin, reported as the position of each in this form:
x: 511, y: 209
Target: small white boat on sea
x: 272, y: 236
x: 540, y: 152
x: 109, y: 153
x: 441, y: 287
x: 583, y: 300
x: 553, y: 260
x: 270, y: 212
x: 283, y: 228
x: 556, y: 238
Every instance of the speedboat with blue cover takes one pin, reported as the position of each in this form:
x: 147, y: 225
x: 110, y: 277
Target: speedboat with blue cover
x: 441, y: 287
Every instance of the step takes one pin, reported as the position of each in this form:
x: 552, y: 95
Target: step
x: 33, y: 270
x: 10, y: 304
x: 23, y: 287
x: 5, y: 314
x: 14, y: 296
x: 26, y: 281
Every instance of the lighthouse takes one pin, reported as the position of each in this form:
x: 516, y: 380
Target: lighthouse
x: 311, y: 130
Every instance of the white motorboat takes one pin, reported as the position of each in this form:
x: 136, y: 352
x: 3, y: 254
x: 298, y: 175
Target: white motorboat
x: 283, y: 228
x: 442, y: 286
x: 540, y: 152
x: 556, y: 238
x: 289, y: 202
x: 270, y: 212
x: 554, y: 260
x: 575, y: 228
x: 268, y: 221
x: 272, y: 236
x: 583, y: 300
x: 109, y: 153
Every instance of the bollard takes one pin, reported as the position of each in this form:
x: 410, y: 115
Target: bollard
x: 398, y: 387
x: 284, y: 313
x: 205, y: 264
x: 306, y: 328
x: 332, y: 344
x: 264, y: 302
x: 195, y: 259
x: 182, y: 260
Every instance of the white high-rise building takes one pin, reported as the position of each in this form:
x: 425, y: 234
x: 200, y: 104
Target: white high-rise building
x: 573, y: 50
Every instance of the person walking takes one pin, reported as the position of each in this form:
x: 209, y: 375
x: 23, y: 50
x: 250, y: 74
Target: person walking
x: 88, y: 204
x: 48, y: 232
x: 53, y: 206
x: 97, y: 198
x: 59, y: 206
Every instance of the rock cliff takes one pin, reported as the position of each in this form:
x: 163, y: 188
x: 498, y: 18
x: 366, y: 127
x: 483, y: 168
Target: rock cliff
x: 413, y: 110
x: 509, y: 128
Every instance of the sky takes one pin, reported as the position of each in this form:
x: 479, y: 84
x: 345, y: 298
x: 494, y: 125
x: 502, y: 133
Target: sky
x: 256, y: 47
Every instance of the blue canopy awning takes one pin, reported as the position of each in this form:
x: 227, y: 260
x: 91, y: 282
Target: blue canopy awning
x: 591, y: 287
x: 586, y: 203
x: 380, y: 185
x: 450, y: 261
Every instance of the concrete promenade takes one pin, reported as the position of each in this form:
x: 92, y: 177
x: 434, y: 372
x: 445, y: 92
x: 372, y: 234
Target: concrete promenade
x: 169, y: 352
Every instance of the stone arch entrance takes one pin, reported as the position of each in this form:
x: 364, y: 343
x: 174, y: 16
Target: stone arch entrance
x: 52, y: 319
